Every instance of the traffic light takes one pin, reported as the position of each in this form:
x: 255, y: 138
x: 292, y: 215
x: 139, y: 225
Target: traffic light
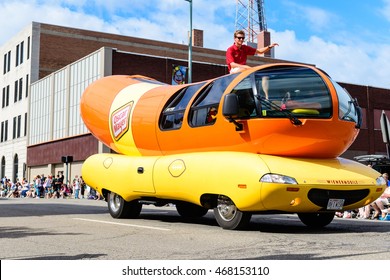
x: 67, y: 159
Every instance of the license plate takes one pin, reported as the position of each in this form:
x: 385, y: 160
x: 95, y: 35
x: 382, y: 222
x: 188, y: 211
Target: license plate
x: 335, y: 204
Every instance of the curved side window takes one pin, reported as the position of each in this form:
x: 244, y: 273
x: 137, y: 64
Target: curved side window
x: 349, y: 110
x: 246, y: 98
x: 173, y: 112
x: 205, y: 107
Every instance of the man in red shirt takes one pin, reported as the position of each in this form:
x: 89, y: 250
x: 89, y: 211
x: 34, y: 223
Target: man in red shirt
x: 237, y: 54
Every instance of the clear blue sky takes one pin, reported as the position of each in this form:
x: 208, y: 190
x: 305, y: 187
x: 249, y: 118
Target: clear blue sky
x: 349, y: 39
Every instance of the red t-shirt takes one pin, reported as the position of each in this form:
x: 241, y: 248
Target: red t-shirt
x: 234, y: 54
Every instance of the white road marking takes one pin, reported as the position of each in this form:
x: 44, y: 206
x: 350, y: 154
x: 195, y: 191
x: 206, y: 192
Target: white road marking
x: 121, y: 224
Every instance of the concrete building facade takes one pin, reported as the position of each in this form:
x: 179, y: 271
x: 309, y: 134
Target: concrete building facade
x: 19, y: 60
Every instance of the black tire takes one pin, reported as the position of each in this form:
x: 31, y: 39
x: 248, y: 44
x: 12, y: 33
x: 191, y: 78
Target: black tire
x: 316, y: 220
x: 228, y: 216
x: 121, y: 209
x: 190, y: 210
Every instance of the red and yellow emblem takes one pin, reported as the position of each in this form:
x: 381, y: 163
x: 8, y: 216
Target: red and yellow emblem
x: 120, y: 121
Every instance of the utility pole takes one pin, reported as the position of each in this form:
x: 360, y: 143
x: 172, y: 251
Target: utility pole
x: 190, y: 46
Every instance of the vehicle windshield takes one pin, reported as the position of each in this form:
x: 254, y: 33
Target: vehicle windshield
x: 284, y: 92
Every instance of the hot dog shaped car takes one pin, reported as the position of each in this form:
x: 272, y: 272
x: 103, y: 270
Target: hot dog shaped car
x: 265, y: 140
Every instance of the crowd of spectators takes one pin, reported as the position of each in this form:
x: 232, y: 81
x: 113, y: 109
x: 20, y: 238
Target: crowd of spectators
x: 377, y: 210
x: 49, y: 187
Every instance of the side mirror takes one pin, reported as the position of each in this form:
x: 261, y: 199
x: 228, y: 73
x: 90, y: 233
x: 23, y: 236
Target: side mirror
x: 230, y: 109
x: 230, y: 105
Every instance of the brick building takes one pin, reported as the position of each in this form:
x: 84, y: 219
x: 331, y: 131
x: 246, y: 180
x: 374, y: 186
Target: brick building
x: 373, y: 101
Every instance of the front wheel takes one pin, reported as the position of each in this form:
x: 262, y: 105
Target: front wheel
x: 120, y: 208
x: 316, y: 220
x: 228, y: 216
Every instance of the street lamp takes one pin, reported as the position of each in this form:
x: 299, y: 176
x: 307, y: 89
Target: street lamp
x: 190, y: 46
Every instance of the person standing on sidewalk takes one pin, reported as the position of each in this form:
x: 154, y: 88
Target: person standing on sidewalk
x: 76, y: 187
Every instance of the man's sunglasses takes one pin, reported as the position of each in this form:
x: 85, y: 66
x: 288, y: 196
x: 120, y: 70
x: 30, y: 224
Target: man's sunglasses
x: 240, y: 38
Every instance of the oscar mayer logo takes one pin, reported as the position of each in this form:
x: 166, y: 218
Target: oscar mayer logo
x: 120, y: 120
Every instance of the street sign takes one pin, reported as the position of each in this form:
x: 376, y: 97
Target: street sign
x: 385, y: 126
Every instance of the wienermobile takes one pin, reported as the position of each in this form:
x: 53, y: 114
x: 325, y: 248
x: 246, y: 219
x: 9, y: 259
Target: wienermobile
x: 265, y: 140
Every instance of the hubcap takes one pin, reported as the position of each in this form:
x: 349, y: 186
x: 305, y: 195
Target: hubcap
x: 115, y: 202
x: 226, y: 208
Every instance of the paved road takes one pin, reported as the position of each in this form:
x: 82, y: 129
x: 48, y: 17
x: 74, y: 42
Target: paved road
x: 40, y: 229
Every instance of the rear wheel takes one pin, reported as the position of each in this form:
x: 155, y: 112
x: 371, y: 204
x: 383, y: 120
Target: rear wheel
x: 120, y: 208
x: 190, y: 210
x: 316, y: 220
x: 228, y: 216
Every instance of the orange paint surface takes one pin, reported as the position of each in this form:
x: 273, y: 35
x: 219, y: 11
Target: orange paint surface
x: 315, y: 138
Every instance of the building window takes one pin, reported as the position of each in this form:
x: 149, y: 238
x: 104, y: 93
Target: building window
x: 4, y: 131
x: 16, y: 91
x: 19, y: 126
x: 20, y: 88
x: 21, y: 52
x: 27, y: 78
x: 25, y: 124
x: 14, y: 128
x: 28, y: 47
x: 5, y: 97
x: 17, y: 56
x: 7, y: 62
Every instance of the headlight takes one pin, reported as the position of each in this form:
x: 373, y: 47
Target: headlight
x: 381, y: 181
x: 277, y: 178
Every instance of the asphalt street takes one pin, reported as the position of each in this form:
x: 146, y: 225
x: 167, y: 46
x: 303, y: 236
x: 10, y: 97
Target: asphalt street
x: 69, y: 229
